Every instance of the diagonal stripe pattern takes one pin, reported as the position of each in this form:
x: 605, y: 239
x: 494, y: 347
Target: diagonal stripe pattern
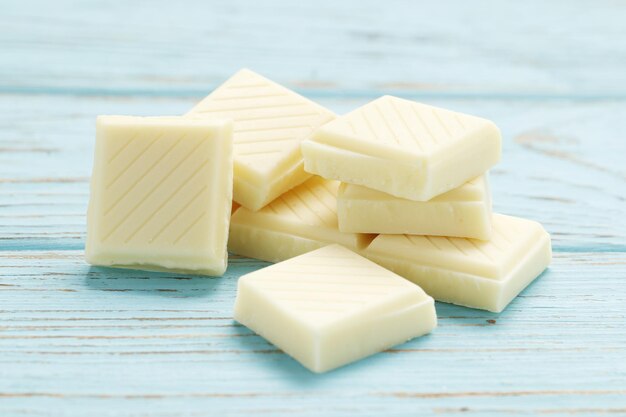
x: 312, y: 203
x: 166, y: 175
x: 270, y: 120
x: 412, y: 126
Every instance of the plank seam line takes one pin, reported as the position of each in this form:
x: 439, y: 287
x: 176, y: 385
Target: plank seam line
x: 331, y: 94
x: 401, y: 394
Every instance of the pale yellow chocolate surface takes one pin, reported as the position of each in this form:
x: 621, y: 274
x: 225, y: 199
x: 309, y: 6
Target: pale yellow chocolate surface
x: 462, y: 212
x: 469, y: 272
x: 330, y: 307
x: 403, y: 148
x: 297, y: 222
x: 270, y: 121
x: 160, y: 194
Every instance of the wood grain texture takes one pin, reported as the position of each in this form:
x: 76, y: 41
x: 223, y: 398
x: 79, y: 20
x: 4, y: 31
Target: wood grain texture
x: 482, y: 48
x: 81, y: 338
x: 78, y: 340
x: 562, y: 165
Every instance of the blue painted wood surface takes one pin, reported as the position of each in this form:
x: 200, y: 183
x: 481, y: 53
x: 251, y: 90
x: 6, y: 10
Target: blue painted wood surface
x: 77, y: 340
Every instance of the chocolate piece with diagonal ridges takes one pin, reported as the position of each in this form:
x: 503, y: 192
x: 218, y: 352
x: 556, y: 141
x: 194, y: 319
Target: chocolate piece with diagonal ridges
x: 469, y: 272
x: 403, y: 148
x: 161, y: 194
x: 331, y: 307
x: 270, y: 121
x: 298, y: 221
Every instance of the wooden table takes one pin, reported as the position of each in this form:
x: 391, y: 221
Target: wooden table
x: 82, y: 341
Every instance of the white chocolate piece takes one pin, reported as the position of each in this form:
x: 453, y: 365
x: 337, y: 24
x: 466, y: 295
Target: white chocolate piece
x: 160, y: 194
x: 270, y: 121
x: 297, y: 222
x: 330, y: 307
x: 462, y: 212
x: 403, y: 148
x: 468, y: 272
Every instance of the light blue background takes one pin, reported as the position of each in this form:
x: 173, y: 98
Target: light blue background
x: 81, y: 341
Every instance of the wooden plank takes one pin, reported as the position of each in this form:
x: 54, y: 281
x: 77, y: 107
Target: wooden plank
x: 531, y: 49
x: 79, y: 339
x: 562, y: 165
